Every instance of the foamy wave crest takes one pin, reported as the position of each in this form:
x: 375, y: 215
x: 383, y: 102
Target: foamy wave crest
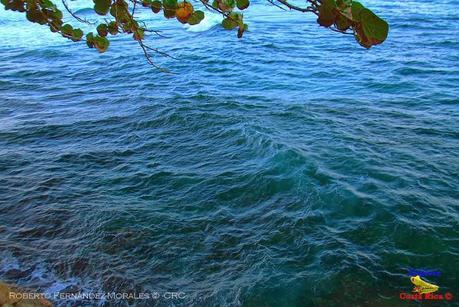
x: 210, y: 20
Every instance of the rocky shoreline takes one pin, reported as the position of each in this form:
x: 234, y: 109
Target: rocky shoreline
x: 14, y: 296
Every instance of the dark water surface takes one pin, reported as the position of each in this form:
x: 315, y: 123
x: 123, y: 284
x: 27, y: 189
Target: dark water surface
x: 289, y: 168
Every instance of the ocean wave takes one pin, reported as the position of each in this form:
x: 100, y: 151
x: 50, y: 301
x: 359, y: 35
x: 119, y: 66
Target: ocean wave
x: 210, y: 20
x: 287, y: 167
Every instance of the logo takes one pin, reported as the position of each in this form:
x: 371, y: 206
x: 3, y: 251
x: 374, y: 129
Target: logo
x: 424, y: 290
x: 421, y: 286
x: 424, y: 273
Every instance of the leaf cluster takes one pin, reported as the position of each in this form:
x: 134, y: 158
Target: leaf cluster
x: 346, y: 16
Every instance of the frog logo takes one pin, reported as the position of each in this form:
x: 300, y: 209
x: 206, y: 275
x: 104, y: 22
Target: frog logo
x: 422, y: 287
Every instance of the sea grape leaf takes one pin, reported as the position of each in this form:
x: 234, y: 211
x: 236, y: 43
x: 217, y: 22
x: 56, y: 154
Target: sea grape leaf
x: 226, y: 5
x: 102, y: 6
x: 360, y: 36
x: 156, y: 6
x: 169, y: 8
x: 196, y: 17
x: 138, y: 34
x: 240, y: 31
x: 342, y: 23
x: 55, y: 25
x: 170, y: 4
x: 343, y: 3
x: 90, y: 40
x: 327, y: 13
x: 357, y: 7
x: 102, y: 29
x: 101, y: 43
x: 67, y: 29
x: 228, y: 23
x: 34, y: 14
x: 374, y: 28
x: 55, y: 14
x: 112, y: 28
x: 169, y: 13
x: 77, y: 34
x: 119, y: 11
x: 146, y: 3
x: 47, y: 4
x: 184, y: 11
x: 242, y: 4
x: 345, y: 8
x: 15, y: 5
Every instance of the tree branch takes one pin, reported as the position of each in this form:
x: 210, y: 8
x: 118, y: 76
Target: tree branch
x: 297, y: 8
x: 64, y: 2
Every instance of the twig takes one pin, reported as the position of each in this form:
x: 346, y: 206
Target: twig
x: 339, y: 31
x: 276, y: 5
x: 297, y: 8
x: 148, y: 57
x: 133, y: 9
x: 160, y: 52
x: 64, y: 2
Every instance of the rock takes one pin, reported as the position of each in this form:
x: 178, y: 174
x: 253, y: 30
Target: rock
x: 5, y: 297
x: 14, y: 296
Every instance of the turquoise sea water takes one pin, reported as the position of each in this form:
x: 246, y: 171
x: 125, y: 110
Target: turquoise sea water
x: 289, y: 168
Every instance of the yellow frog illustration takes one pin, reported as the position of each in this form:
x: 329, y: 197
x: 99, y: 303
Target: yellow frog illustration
x: 422, y: 286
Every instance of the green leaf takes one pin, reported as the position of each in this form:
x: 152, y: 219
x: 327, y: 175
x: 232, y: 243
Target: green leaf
x: 101, y: 43
x: 169, y: 8
x: 374, y: 28
x: 156, y: 6
x: 102, y: 30
x: 196, y: 17
x: 345, y: 8
x: 113, y: 28
x: 119, y: 10
x: 229, y: 23
x: 90, y: 40
x: 327, y: 13
x: 102, y: 6
x: 77, y: 34
x: 357, y: 8
x: 146, y: 3
x: 138, y: 34
x: 170, y: 4
x: 242, y: 4
x: 342, y: 23
x: 67, y: 29
x: 55, y: 25
x: 226, y: 5
x: 16, y: 5
x: 56, y: 14
x: 169, y: 13
x: 47, y: 4
x: 240, y: 31
x: 343, y: 3
x: 34, y: 15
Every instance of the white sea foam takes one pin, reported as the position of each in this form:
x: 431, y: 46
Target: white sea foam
x: 210, y: 20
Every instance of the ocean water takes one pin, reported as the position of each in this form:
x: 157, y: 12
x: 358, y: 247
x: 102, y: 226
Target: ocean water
x: 289, y: 168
